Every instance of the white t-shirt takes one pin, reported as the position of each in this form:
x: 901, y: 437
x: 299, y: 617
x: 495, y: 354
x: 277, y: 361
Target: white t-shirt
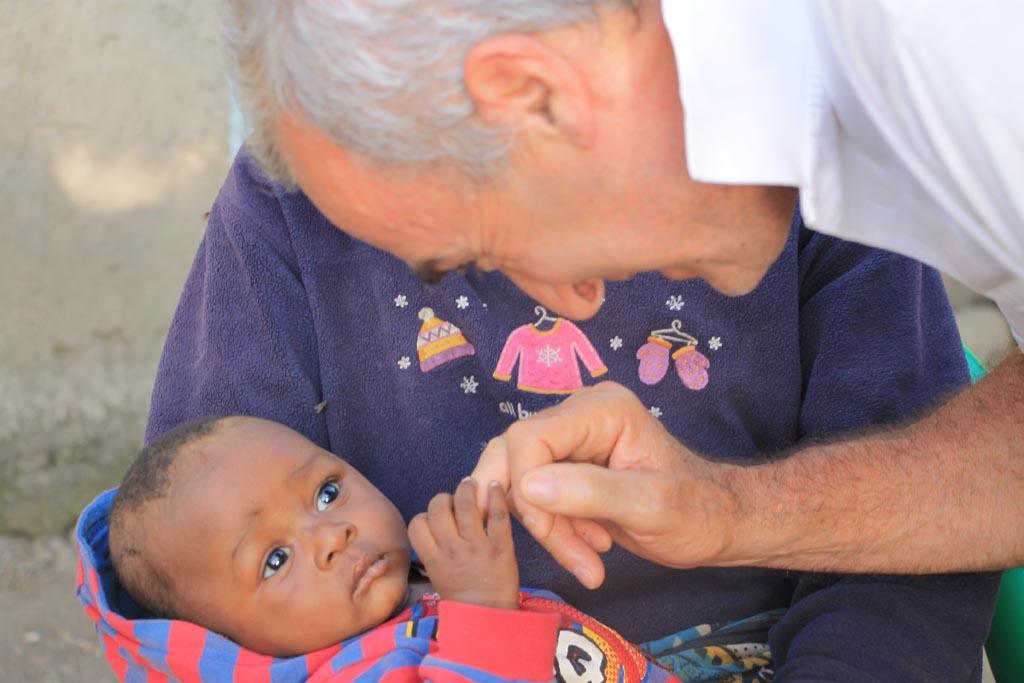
x: 900, y: 121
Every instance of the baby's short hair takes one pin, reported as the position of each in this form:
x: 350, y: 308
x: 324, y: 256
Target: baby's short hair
x: 148, y: 480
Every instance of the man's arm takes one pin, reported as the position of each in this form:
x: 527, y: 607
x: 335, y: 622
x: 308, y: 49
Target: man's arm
x: 878, y: 346
x: 945, y: 493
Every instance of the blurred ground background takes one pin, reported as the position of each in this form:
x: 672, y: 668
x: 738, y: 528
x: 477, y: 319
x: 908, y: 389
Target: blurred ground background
x: 114, y: 143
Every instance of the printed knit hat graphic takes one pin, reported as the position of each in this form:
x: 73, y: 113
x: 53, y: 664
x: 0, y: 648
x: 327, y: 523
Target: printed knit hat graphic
x: 439, y: 341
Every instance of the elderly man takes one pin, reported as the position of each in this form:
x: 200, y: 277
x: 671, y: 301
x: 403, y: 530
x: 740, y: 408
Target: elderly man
x: 529, y: 138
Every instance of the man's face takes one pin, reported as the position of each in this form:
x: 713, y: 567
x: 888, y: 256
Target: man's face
x: 280, y: 545
x: 565, y: 215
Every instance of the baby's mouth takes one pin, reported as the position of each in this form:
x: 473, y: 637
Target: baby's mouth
x: 369, y: 567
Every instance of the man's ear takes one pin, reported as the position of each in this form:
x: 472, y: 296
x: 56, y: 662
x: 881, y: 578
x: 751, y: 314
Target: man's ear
x: 517, y: 80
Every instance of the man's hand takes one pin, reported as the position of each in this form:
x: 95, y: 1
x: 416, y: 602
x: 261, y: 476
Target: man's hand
x: 465, y: 561
x: 601, y: 457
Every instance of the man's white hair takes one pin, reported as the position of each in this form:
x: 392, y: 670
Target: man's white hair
x: 382, y: 78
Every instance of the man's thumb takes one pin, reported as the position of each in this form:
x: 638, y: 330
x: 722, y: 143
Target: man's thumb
x: 585, y: 491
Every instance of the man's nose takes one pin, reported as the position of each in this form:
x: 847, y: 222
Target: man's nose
x: 330, y: 538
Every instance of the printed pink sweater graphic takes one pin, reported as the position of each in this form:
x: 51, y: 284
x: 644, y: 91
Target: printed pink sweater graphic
x: 548, y: 359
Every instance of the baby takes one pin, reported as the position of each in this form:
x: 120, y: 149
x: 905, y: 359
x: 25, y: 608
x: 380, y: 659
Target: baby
x: 246, y: 528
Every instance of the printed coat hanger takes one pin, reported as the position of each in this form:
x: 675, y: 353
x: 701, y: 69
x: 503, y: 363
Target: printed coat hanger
x: 544, y: 317
x: 675, y: 333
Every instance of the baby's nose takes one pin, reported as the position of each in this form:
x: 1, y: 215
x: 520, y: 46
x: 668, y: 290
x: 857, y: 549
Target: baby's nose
x: 331, y: 538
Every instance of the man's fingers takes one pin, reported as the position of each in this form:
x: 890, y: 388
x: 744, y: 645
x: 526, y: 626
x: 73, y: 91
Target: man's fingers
x: 596, y: 536
x: 584, y: 428
x: 573, y: 553
x: 494, y: 466
x: 600, y: 456
x: 499, y: 523
x: 467, y: 517
x: 592, y: 492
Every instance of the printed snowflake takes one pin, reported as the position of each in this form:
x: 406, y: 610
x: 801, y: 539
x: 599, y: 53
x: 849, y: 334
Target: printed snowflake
x: 469, y: 384
x: 655, y: 411
x: 401, y: 301
x: 549, y: 355
x: 462, y: 302
x: 715, y: 343
x: 615, y: 342
x: 675, y: 302
x: 404, y: 363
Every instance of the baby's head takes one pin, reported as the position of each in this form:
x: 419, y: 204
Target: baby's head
x: 247, y: 528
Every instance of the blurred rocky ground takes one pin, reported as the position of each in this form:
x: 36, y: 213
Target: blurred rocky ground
x: 114, y: 145
x: 115, y: 140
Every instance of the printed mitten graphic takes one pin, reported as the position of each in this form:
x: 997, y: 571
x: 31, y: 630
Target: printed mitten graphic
x: 439, y: 341
x: 692, y: 366
x: 654, y: 360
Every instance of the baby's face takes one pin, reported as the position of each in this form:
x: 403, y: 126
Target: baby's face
x: 279, y: 544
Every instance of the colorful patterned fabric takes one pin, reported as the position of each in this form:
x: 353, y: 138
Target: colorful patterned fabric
x: 432, y: 640
x: 729, y: 652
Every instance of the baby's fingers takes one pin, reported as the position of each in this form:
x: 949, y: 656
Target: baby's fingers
x: 499, y: 522
x: 441, y: 518
x: 493, y: 466
x: 467, y: 516
x: 422, y: 540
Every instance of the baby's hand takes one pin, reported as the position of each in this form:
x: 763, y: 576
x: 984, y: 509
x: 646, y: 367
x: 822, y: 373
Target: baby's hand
x: 465, y: 561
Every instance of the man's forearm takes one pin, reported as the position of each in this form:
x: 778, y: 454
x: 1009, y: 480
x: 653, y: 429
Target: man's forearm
x: 943, y: 494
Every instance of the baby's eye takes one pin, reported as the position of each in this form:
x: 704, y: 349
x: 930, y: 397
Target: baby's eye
x: 327, y: 494
x: 275, y: 561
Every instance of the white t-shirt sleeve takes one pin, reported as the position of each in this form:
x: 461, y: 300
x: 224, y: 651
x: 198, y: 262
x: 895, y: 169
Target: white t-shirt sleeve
x: 901, y: 122
x: 931, y: 110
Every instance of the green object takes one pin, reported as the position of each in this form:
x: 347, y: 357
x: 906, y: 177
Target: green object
x: 1005, y: 645
x: 974, y: 365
